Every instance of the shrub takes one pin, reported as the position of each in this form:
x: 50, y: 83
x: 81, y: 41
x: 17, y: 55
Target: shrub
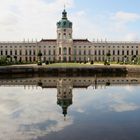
x: 91, y: 62
x: 47, y: 62
x: 39, y: 63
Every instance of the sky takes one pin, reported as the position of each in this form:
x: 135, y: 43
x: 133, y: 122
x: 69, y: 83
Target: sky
x: 93, y: 19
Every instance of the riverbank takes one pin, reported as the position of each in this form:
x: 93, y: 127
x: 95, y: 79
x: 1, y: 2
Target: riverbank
x: 82, y: 69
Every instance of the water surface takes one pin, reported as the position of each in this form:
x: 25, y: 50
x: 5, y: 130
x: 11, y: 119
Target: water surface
x: 70, y: 108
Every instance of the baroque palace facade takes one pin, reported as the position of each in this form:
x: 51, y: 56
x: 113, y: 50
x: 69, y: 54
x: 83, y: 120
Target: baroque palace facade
x: 66, y: 49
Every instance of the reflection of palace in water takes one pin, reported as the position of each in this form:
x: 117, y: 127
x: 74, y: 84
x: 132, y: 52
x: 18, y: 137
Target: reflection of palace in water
x: 65, y: 85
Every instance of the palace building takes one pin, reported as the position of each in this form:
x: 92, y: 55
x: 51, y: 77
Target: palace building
x: 66, y: 49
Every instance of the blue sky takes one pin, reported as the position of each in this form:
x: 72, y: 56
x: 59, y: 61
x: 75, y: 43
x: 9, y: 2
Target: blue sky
x: 93, y: 19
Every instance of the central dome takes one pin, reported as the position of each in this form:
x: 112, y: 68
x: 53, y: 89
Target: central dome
x: 64, y: 22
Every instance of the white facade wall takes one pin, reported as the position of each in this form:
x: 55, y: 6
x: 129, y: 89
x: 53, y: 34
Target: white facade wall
x: 83, y: 50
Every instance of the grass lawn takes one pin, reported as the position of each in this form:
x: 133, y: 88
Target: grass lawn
x: 70, y: 65
x: 86, y: 65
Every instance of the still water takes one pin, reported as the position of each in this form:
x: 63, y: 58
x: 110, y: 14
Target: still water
x: 59, y: 108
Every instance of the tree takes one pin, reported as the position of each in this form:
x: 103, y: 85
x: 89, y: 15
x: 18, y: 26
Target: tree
x: 107, y: 62
x: 39, y: 56
x: 125, y: 59
x: 8, y: 58
x: 134, y: 59
x: 3, y: 60
x: 15, y: 57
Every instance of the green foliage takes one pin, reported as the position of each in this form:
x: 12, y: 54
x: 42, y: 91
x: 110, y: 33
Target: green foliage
x: 39, y: 63
x: 106, y: 63
x: 91, y: 62
x: 47, y: 62
x: 4, y: 60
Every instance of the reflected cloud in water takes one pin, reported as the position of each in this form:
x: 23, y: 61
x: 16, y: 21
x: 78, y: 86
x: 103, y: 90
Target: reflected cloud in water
x: 37, y: 107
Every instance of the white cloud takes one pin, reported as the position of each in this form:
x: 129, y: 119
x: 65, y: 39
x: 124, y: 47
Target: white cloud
x: 25, y: 112
x: 132, y: 36
x: 125, y: 17
x: 123, y: 106
x: 30, y: 19
x: 37, y: 19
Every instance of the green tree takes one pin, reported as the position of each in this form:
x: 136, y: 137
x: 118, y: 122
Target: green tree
x: 108, y: 55
x: 39, y: 57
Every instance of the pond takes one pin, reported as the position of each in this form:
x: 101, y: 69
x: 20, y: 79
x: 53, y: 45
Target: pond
x: 59, y: 108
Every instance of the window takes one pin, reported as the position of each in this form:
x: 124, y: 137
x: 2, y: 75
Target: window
x: 65, y: 51
x: 54, y: 52
x: 84, y: 52
x: 69, y: 58
x: 34, y: 52
x: 20, y: 59
x: 99, y: 52
x: 103, y: 52
x: 79, y: 52
x: 69, y: 51
x: 64, y: 35
x: 136, y: 52
x: 15, y: 52
x: 113, y: 52
x: 132, y: 53
x: 127, y: 52
x: 123, y: 52
x: 118, y: 52
x: 95, y: 52
x: 30, y: 52
x: 89, y: 53
x: 20, y: 52
x: 49, y: 52
x: 59, y: 51
x: 6, y: 53
x: 44, y: 52
x: 11, y: 52
x: 70, y: 36
x: 74, y: 52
